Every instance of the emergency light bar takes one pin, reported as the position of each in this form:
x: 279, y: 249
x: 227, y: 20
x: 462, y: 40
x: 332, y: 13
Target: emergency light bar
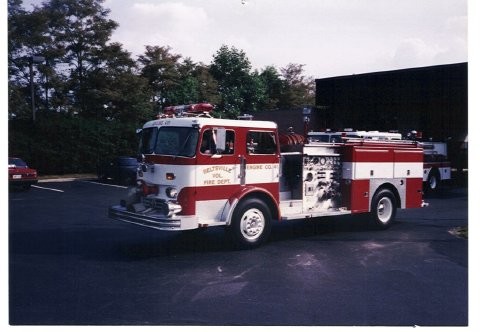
x: 188, y: 110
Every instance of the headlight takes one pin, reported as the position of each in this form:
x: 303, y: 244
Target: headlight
x: 171, y: 192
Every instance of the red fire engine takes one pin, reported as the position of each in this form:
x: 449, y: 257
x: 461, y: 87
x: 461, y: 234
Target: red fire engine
x: 436, y: 166
x: 201, y: 171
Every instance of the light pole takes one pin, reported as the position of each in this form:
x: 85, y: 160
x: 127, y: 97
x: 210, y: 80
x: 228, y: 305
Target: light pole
x: 34, y: 59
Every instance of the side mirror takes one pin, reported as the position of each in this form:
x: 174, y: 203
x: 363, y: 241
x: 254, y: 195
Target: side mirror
x: 221, y: 139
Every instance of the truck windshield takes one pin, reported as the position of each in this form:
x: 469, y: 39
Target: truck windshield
x: 147, y: 142
x: 172, y: 141
x: 177, y: 141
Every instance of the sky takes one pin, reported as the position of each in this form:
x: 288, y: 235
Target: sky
x: 330, y: 37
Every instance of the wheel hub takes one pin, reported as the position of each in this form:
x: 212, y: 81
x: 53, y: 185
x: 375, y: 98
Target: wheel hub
x: 384, y: 210
x: 252, y: 224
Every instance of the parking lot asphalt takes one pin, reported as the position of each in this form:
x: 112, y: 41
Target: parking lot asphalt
x: 69, y: 264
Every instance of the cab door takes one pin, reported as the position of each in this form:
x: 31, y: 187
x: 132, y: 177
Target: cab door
x: 260, y: 162
x: 217, y: 171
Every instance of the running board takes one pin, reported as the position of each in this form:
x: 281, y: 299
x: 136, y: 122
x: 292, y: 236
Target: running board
x: 315, y: 215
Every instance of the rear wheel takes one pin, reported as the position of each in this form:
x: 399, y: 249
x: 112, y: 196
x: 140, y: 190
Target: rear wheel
x: 251, y: 223
x: 433, y: 181
x: 384, y: 209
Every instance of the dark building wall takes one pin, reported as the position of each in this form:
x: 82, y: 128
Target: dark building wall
x: 284, y: 119
x: 433, y: 100
x: 430, y: 99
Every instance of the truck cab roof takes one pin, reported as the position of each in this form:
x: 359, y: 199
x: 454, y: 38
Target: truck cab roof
x: 201, y: 122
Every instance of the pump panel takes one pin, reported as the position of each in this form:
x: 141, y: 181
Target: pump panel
x: 321, y: 182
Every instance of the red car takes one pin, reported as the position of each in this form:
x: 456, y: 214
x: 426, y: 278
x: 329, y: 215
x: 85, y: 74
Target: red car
x: 20, y: 175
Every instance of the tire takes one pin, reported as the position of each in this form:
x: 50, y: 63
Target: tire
x: 127, y: 181
x: 251, y: 224
x: 383, y: 210
x: 433, y: 181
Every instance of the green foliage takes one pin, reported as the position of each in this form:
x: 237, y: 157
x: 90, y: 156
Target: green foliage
x: 60, y: 143
x: 160, y: 68
x: 273, y: 86
x: 175, y: 82
x: 90, y: 95
x: 240, y: 91
x: 207, y: 85
x: 18, y: 101
x: 298, y: 90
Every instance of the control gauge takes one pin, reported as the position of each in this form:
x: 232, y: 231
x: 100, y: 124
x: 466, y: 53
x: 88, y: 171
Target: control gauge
x: 323, y: 161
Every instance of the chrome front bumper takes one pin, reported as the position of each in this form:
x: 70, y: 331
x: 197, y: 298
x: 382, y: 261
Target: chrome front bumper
x: 149, y: 218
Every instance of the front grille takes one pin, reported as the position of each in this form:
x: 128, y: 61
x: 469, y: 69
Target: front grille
x: 152, y: 202
x: 155, y: 203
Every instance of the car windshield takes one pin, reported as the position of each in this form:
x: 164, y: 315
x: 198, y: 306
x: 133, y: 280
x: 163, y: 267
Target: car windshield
x: 17, y: 162
x: 127, y: 161
x: 173, y: 141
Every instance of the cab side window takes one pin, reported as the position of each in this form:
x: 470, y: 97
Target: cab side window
x: 261, y: 142
x: 230, y: 143
x: 208, y: 144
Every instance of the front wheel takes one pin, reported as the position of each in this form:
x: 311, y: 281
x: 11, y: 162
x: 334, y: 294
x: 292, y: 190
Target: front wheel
x: 384, y: 209
x: 251, y: 223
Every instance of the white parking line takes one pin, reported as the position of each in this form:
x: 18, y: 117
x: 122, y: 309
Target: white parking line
x: 56, y: 180
x: 45, y: 188
x: 106, y: 184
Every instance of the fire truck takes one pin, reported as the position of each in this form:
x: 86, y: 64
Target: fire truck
x: 198, y: 171
x: 338, y: 136
x: 436, y: 166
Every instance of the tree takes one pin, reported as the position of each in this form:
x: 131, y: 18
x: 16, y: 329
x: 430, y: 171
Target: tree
x: 91, y: 94
x: 83, y: 73
x: 195, y: 84
x: 186, y: 91
x: 273, y: 86
x: 26, y: 37
x: 80, y: 31
x: 159, y: 66
x: 90, y: 87
x: 176, y: 81
x: 298, y: 90
x: 207, y: 85
x: 119, y: 92
x: 240, y: 91
x: 255, y: 93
